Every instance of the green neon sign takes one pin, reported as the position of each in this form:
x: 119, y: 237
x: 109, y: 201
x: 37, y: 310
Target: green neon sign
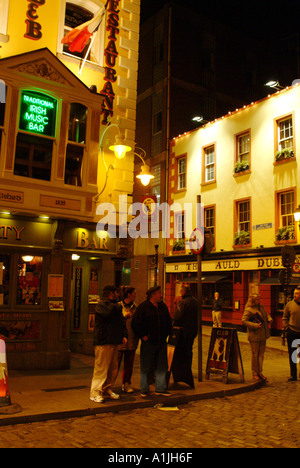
x: 38, y: 113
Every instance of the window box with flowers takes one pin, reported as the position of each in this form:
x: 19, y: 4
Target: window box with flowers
x: 284, y: 155
x: 286, y: 233
x: 241, y: 167
x: 242, y: 238
x: 179, y: 247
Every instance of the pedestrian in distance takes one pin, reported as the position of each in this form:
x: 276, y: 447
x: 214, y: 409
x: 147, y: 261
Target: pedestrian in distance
x: 217, y: 310
x: 257, y: 321
x: 186, y: 317
x: 152, y: 324
x: 109, y: 332
x: 291, y: 327
x: 127, y: 351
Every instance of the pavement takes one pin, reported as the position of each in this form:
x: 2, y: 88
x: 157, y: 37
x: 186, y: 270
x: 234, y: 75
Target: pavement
x: 57, y: 394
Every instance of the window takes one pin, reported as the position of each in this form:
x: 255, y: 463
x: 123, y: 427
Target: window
x: 181, y: 170
x: 29, y: 281
x: 4, y: 279
x: 209, y: 164
x: 242, y: 159
x: 179, y: 226
x: 2, y: 106
x: 33, y: 157
x: 3, y: 19
x: 76, y: 144
x: 285, y: 134
x: 209, y: 219
x: 284, y: 139
x: 157, y: 122
x: 74, y: 14
x: 156, y: 182
x: 285, y: 207
x: 242, y: 222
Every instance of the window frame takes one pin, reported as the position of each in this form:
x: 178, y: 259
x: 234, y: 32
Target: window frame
x: 204, y: 165
x: 237, y: 222
x: 277, y: 140
x: 182, y: 157
x: 211, y: 227
x: 278, y: 215
x: 93, y: 6
x: 237, y: 158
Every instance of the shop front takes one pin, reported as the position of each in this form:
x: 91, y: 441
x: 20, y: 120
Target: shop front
x: 235, y: 278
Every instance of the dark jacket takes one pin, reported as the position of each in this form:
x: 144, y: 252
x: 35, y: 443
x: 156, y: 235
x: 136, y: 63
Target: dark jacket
x: 186, y: 315
x: 217, y: 304
x: 153, y: 322
x: 110, y: 327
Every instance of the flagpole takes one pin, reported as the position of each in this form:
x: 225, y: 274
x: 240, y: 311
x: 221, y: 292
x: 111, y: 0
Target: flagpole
x: 86, y: 55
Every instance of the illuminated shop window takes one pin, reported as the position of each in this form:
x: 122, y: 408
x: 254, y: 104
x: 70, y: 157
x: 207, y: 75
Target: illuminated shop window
x: 4, y: 279
x: 29, y: 280
x: 76, y: 144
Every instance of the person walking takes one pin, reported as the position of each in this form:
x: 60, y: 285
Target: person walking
x: 291, y: 326
x: 109, y: 332
x: 257, y: 321
x: 186, y: 317
x: 217, y: 311
x: 152, y: 324
x: 127, y: 351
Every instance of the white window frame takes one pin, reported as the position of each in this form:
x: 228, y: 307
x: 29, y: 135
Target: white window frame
x: 98, y: 47
x: 4, y: 5
x: 289, y: 133
x: 181, y: 184
x: 209, y: 161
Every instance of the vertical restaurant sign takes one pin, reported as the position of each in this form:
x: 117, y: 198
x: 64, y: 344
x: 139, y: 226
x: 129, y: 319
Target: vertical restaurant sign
x: 77, y: 297
x: 34, y: 29
x: 110, y: 55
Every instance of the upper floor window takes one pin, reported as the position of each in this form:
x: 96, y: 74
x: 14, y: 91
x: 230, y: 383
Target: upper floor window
x: 156, y: 182
x: 74, y: 14
x: 242, y: 222
x: 284, y: 139
x: 3, y: 19
x: 181, y: 171
x: 2, y: 106
x: 242, y: 159
x: 210, y: 219
x: 285, y: 207
x: 209, y: 164
x: 76, y: 144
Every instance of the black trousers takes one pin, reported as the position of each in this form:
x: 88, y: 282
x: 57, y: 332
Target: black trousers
x: 293, y: 353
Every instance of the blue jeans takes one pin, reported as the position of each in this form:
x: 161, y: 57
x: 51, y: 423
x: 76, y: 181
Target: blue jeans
x: 153, y: 357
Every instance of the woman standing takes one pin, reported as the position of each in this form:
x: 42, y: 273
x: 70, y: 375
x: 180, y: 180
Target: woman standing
x: 128, y: 350
x: 257, y: 321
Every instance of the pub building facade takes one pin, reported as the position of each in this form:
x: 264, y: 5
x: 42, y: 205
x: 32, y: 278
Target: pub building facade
x: 244, y: 168
x: 53, y: 260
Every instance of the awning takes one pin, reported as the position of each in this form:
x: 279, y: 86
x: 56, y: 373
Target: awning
x: 276, y: 282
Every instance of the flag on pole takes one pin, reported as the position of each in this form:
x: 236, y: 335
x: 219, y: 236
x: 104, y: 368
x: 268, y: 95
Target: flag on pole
x: 78, y: 37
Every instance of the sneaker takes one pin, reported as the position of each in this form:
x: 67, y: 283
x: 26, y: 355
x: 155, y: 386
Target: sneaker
x: 97, y: 399
x: 166, y: 393
x: 127, y: 388
x: 113, y: 395
x: 144, y: 394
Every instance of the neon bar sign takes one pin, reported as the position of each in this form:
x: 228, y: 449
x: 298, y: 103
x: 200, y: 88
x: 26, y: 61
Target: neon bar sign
x: 38, y: 113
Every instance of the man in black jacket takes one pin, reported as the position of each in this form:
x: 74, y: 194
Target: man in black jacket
x: 109, y: 332
x: 152, y: 324
x: 186, y: 317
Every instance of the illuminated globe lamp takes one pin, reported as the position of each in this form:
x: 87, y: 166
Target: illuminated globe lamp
x: 145, y: 176
x: 119, y: 148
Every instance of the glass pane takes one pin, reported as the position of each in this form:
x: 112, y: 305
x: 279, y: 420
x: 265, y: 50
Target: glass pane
x: 4, y: 279
x: 29, y: 280
x: 2, y: 101
x: 33, y: 157
x: 74, y: 158
x: 77, y: 123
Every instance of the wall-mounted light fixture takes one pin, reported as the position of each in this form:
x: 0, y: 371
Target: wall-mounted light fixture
x: 274, y: 84
x: 27, y: 258
x: 120, y: 150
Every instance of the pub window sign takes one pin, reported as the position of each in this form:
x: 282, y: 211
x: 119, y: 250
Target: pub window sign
x: 38, y: 113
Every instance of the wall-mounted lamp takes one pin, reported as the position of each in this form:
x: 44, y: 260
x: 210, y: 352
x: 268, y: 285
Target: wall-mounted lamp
x: 274, y: 84
x: 145, y: 175
x: 27, y: 258
x: 199, y: 119
x: 120, y: 150
x: 75, y: 257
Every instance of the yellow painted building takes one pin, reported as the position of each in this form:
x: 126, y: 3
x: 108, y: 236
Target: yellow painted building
x: 57, y: 105
x: 245, y: 168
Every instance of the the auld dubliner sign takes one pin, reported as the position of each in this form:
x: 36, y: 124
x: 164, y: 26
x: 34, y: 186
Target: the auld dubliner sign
x: 38, y: 113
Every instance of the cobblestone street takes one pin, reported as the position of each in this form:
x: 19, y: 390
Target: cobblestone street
x: 267, y: 417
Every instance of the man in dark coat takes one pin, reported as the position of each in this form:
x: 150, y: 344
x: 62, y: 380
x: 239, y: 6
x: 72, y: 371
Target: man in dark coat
x: 152, y: 324
x: 186, y: 317
x: 109, y: 332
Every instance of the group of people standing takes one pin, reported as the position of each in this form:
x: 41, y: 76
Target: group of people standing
x: 120, y: 324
